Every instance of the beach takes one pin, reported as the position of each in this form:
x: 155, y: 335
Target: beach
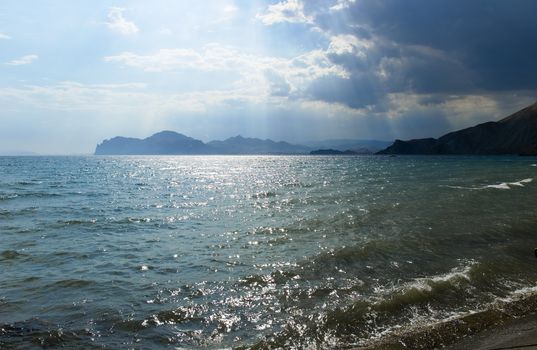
x: 519, y: 333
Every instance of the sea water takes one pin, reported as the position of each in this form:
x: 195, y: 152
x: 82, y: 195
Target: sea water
x: 261, y: 252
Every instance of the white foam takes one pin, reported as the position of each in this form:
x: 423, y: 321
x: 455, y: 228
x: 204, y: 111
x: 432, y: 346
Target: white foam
x: 519, y: 294
x: 500, y: 186
x: 437, y: 317
x: 461, y: 187
x: 426, y: 284
x: 462, y: 272
x: 521, y: 182
x: 457, y: 273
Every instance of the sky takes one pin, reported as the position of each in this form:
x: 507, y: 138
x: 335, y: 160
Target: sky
x: 73, y: 73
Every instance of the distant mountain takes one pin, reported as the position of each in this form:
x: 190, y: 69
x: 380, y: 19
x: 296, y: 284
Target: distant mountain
x: 243, y: 145
x: 335, y: 152
x: 515, y: 134
x: 170, y: 143
x: 349, y: 144
x: 164, y: 142
x: 173, y: 143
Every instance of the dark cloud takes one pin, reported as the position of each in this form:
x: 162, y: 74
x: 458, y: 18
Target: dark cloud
x: 450, y: 63
x: 356, y: 92
x: 420, y: 69
x: 493, y: 40
x: 354, y: 63
x: 441, y: 47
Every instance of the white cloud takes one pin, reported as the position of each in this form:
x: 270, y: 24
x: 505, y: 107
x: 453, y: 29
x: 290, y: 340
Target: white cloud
x: 120, y: 99
x: 349, y: 44
x: 262, y: 80
x: 119, y: 24
x: 23, y: 60
x: 342, y: 5
x: 4, y: 36
x: 295, y: 72
x: 291, y: 11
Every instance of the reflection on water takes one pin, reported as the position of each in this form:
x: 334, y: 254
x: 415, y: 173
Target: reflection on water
x: 263, y: 252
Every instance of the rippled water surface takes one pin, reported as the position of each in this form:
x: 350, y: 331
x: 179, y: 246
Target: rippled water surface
x: 262, y: 252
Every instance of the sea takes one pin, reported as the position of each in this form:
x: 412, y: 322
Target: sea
x: 263, y: 252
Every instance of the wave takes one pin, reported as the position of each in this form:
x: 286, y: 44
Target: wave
x: 8, y: 196
x: 103, y: 222
x: 76, y: 222
x: 40, y: 194
x: 29, y: 183
x: 408, y: 313
x: 8, y: 255
x: 18, y: 212
x: 449, y: 330
x: 456, y: 276
x: 72, y: 283
x: 34, y: 332
x: 500, y: 186
x: 171, y: 317
x: 423, y: 313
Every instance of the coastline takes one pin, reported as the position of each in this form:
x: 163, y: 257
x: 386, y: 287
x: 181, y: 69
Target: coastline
x: 510, y: 324
x: 518, y: 333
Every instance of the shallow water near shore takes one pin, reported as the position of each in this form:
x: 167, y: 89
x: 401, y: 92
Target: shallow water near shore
x: 261, y: 252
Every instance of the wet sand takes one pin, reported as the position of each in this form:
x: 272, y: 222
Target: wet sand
x: 499, y: 332
x: 520, y: 333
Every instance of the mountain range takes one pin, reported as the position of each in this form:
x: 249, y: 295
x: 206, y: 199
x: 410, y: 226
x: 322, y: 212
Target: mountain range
x: 515, y: 134
x: 173, y: 143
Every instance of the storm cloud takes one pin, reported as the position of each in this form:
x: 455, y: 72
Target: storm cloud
x: 283, y: 69
x: 445, y: 45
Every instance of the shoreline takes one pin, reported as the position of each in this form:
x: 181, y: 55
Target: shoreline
x: 518, y: 333
x: 515, y: 333
x: 509, y: 324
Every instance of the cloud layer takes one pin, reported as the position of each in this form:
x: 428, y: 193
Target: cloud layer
x: 285, y: 69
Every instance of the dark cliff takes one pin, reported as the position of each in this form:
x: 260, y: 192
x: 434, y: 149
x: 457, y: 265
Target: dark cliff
x: 515, y: 134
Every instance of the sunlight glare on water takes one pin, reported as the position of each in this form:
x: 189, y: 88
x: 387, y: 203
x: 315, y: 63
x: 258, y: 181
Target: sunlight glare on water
x: 292, y: 252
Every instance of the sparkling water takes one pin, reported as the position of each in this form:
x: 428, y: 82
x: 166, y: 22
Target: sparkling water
x: 259, y: 252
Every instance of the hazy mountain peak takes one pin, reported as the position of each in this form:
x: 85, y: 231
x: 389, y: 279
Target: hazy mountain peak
x: 171, y: 142
x: 168, y: 134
